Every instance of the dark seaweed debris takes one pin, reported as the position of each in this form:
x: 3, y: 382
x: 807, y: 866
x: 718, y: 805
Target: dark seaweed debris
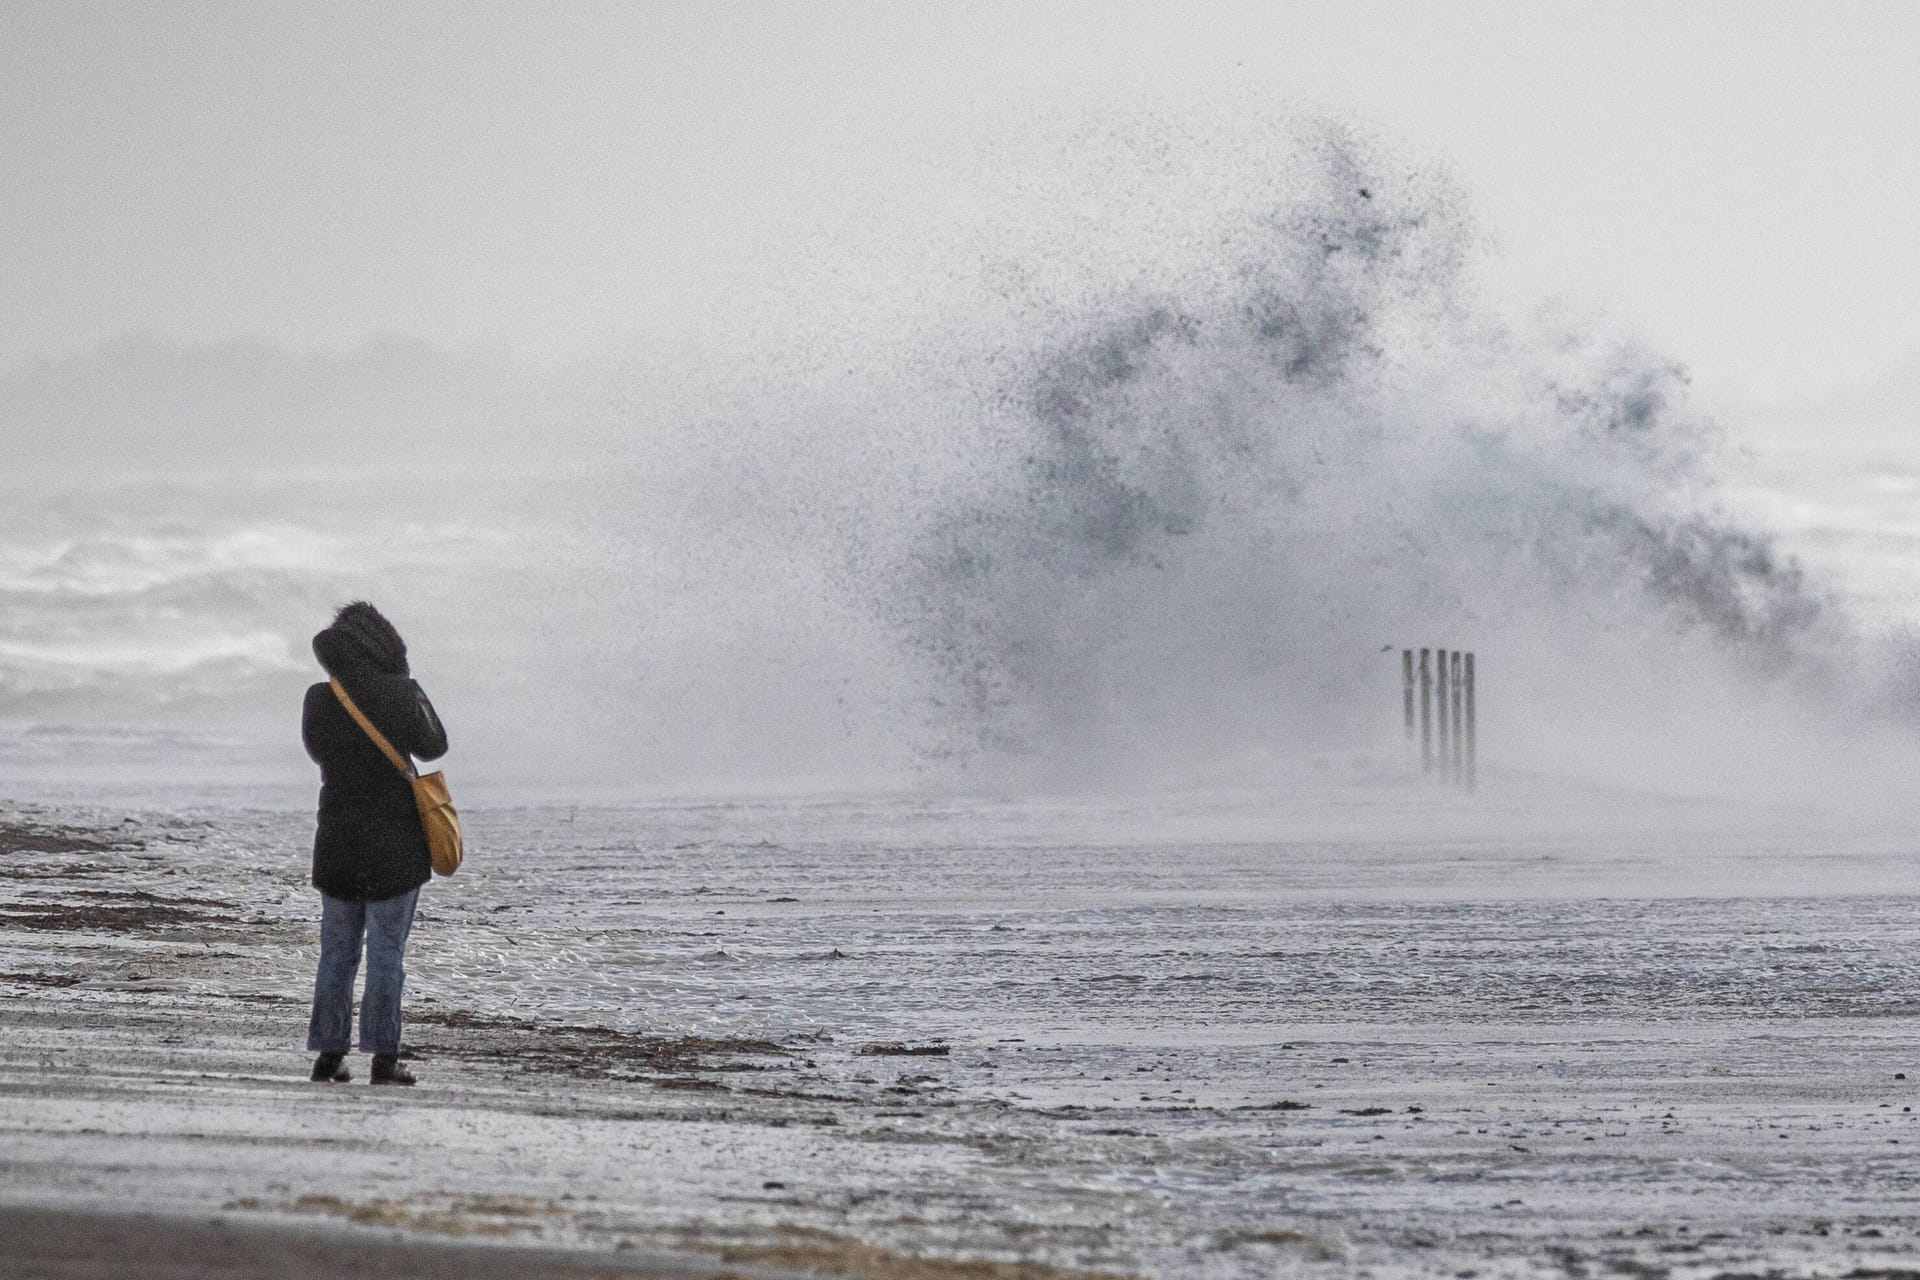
x: 587, y: 1051
x: 41, y: 979
x: 895, y: 1050
x: 39, y: 837
x: 120, y: 913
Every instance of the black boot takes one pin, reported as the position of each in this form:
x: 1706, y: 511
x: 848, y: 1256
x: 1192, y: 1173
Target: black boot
x: 387, y: 1070
x: 328, y: 1068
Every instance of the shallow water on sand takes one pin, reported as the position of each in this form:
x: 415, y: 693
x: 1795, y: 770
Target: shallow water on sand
x: 1155, y: 926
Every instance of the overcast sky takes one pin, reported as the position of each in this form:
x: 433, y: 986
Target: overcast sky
x: 1741, y: 180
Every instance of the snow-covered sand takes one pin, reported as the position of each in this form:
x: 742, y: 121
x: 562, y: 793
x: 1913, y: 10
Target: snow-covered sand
x: 1338, y: 1027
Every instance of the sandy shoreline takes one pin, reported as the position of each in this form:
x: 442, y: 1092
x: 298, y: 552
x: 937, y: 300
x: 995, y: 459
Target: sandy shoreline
x: 151, y: 990
x: 57, y: 1244
x: 69, y: 1244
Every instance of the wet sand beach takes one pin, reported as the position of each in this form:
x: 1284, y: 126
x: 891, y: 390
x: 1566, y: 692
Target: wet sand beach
x: 724, y: 1040
x: 55, y: 1244
x: 65, y: 1245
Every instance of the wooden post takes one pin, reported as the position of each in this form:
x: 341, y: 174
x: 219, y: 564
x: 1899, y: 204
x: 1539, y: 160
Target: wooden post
x: 1472, y: 746
x: 1458, y: 684
x: 1406, y: 693
x: 1426, y: 715
x: 1444, y: 735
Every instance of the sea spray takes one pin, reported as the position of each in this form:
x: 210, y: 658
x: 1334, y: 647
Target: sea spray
x: 1133, y: 476
x: 1214, y: 506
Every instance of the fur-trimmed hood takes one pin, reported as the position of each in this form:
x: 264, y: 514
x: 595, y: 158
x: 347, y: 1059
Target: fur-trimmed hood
x: 361, y: 637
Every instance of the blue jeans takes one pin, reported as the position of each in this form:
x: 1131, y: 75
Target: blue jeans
x: 385, y: 925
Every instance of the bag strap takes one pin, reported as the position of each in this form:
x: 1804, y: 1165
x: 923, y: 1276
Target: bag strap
x: 400, y: 762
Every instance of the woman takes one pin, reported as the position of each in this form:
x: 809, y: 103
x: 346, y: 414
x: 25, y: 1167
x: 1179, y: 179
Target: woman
x: 369, y: 852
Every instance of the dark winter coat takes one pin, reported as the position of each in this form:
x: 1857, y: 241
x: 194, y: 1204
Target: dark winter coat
x: 368, y: 844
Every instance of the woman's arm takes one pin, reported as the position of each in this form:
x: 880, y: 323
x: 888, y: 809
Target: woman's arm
x: 432, y: 742
x: 399, y: 708
x: 309, y: 711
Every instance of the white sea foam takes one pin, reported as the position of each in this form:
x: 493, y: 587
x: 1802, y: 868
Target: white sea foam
x: 121, y: 563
